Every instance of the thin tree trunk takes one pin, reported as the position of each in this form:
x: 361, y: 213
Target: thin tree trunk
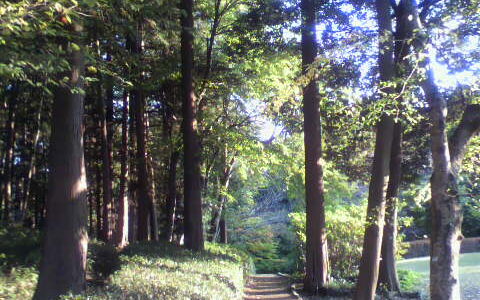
x: 222, y: 198
x: 63, y: 265
x: 388, y: 277
x: 132, y: 182
x: 151, y: 176
x: 9, y: 153
x: 369, y: 265
x: 171, y: 201
x: 106, y: 234
x: 144, y: 199
x: 121, y: 230
x: 31, y: 164
x: 192, y: 189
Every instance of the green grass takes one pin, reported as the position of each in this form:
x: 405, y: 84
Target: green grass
x: 154, y: 271
x: 469, y: 274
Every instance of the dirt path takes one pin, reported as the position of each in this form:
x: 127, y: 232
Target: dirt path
x: 268, y: 286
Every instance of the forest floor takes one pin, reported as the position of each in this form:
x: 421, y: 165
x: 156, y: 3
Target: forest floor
x: 268, y: 286
x: 469, y: 274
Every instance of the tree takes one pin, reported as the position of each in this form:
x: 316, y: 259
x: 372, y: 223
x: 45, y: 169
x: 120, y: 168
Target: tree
x: 9, y: 152
x: 369, y: 266
x: 446, y: 160
x: 121, y: 229
x: 63, y: 265
x: 388, y: 277
x: 107, y: 178
x: 191, y: 148
x: 144, y: 197
x: 316, y: 266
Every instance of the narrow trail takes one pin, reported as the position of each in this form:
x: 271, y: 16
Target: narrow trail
x: 268, y: 286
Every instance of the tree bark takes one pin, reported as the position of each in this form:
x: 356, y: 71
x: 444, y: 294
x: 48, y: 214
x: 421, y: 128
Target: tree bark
x: 388, y: 278
x: 151, y: 173
x: 445, y: 207
x: 9, y: 153
x: 316, y: 266
x: 223, y: 231
x: 192, y: 189
x: 468, y: 127
x: 31, y: 163
x: 121, y: 229
x: 144, y: 199
x: 171, y: 201
x: 98, y: 196
x: 369, y: 265
x: 143, y: 196
x: 107, y: 179
x: 63, y: 265
x: 132, y: 182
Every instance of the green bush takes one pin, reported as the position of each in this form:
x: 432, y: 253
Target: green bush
x: 19, y: 247
x: 266, y: 256
x: 103, y: 260
x: 409, y: 280
x: 345, y: 228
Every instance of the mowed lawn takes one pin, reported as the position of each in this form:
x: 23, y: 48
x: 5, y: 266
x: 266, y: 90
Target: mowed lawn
x: 469, y: 274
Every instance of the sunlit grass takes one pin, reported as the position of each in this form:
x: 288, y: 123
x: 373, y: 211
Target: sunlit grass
x: 469, y: 274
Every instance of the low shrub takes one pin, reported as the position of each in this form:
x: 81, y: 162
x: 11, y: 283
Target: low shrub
x: 19, y: 247
x: 145, y: 271
x: 103, y: 260
x: 409, y: 280
x: 345, y: 228
x: 165, y: 271
x: 19, y: 283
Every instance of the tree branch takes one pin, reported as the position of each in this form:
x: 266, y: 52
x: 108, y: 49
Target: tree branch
x: 469, y: 127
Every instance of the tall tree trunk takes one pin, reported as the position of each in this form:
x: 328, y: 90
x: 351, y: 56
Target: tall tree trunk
x: 316, y: 266
x: 192, y: 189
x: 171, y: 201
x: 132, y: 182
x: 144, y: 199
x: 9, y: 153
x: 31, y: 163
x: 151, y: 175
x: 121, y: 229
x: 63, y: 265
x: 107, y: 179
x: 388, y: 277
x: 369, y: 265
x: 445, y: 207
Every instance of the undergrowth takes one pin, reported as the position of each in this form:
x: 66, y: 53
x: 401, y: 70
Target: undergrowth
x: 140, y: 271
